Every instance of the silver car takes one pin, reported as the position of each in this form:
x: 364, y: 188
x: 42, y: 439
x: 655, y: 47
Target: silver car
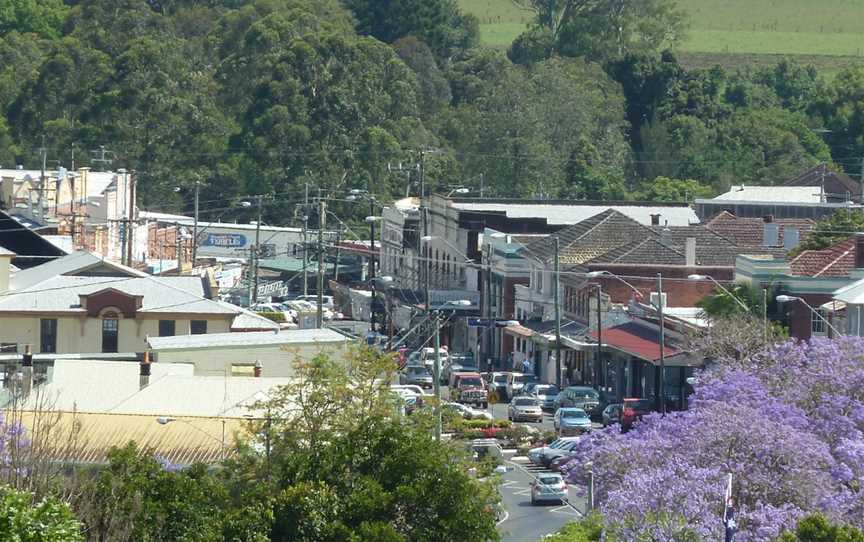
x: 548, y: 487
x: 417, y: 375
x: 524, y: 408
x: 545, y: 394
x: 571, y: 421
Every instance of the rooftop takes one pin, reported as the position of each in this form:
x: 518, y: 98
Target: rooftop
x: 256, y: 338
x: 750, y: 231
x: 834, y: 261
x: 837, y: 185
x: 564, y: 213
x: 776, y: 194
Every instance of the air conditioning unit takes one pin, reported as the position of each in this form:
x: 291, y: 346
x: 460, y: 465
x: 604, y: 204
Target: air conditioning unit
x: 658, y: 301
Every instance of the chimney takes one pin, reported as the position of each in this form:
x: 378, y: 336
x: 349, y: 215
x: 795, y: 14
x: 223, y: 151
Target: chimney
x: 258, y: 368
x: 771, y: 235
x: 791, y: 238
x: 655, y: 219
x: 690, y: 252
x: 144, y: 372
x: 27, y: 371
x: 859, y: 251
x: 5, y: 266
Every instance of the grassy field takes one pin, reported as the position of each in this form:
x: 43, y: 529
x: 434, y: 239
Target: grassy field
x: 730, y: 31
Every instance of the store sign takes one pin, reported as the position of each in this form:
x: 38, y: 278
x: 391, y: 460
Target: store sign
x: 224, y: 240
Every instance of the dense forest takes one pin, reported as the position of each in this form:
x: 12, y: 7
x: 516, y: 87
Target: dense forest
x: 271, y: 96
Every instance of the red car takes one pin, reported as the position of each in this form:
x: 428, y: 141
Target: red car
x: 632, y: 410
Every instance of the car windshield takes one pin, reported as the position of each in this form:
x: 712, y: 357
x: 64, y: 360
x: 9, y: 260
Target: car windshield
x: 472, y: 382
x: 575, y: 413
x: 549, y: 480
x: 585, y: 393
x: 525, y: 401
x: 418, y: 370
x: 546, y: 390
x: 641, y: 404
x: 499, y: 379
x: 518, y: 379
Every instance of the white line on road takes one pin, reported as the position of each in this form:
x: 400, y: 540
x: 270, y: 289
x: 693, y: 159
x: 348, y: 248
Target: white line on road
x: 505, y: 518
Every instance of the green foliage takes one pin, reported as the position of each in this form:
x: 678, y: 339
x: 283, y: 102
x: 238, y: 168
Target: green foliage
x: 723, y: 305
x: 829, y: 231
x: 43, y: 17
x: 48, y: 520
x: 817, y: 528
x: 435, y: 22
x: 588, y: 529
x: 666, y: 189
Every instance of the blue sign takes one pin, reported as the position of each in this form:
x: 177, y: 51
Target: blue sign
x: 224, y: 240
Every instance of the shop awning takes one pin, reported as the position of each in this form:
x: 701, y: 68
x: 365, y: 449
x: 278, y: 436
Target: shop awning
x: 519, y: 331
x: 637, y: 340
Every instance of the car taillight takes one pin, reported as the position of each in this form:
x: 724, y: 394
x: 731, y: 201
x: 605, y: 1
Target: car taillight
x: 629, y: 412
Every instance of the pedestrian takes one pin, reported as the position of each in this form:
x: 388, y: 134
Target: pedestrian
x: 526, y: 366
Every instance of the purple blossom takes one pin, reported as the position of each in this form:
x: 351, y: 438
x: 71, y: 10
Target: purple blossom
x: 788, y: 423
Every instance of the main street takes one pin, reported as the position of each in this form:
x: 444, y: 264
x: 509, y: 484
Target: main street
x: 523, y: 521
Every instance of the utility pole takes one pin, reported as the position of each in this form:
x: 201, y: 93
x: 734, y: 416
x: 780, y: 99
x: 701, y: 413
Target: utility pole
x: 195, y: 225
x: 372, y: 263
x: 305, y: 279
x: 661, y: 380
x: 322, y: 220
x: 557, y: 312
x: 486, y: 268
x: 129, y: 235
x: 178, y: 246
x: 44, y: 152
x: 599, y: 364
x: 124, y: 222
x: 437, y: 377
x: 338, y: 242
x: 257, y: 250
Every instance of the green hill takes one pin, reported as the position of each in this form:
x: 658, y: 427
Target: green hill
x: 730, y: 31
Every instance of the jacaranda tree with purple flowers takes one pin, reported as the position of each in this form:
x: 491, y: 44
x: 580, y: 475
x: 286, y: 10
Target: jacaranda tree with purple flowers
x: 786, y: 422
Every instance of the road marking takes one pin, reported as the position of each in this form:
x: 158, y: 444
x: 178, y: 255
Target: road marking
x: 525, y: 491
x: 506, y: 517
x: 565, y: 509
x: 509, y: 483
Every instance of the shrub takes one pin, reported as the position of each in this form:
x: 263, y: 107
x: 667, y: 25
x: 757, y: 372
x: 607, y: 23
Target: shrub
x: 277, y: 317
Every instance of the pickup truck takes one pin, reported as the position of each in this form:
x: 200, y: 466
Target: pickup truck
x: 469, y: 388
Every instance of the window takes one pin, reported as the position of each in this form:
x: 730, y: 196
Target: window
x: 199, y: 327
x: 817, y: 324
x: 9, y: 348
x: 48, y: 335
x: 109, y: 334
x: 167, y: 328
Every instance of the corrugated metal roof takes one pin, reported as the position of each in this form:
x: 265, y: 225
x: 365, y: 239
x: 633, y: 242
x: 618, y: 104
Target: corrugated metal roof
x: 568, y: 213
x: 173, y: 390
x: 636, y: 340
x: 777, y: 194
x: 159, y: 295
x: 255, y: 338
x: 89, y: 437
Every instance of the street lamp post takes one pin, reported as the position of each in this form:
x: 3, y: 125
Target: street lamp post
x: 737, y: 300
x: 436, y: 374
x: 787, y: 298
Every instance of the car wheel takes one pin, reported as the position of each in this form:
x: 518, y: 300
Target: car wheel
x: 485, y: 405
x: 533, y: 502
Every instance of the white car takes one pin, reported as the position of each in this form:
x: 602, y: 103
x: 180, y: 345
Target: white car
x: 411, y: 388
x: 467, y: 412
x: 327, y: 300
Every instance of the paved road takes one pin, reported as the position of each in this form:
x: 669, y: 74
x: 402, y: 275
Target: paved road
x: 525, y: 522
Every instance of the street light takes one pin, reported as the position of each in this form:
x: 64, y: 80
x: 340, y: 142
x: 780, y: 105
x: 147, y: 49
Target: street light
x: 788, y: 298
x: 723, y: 288
x: 604, y: 273
x: 460, y: 190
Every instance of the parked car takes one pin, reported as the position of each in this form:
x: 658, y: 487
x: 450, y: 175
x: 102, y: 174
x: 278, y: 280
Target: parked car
x: 632, y: 410
x: 536, y: 455
x: 548, y: 487
x: 468, y: 388
x: 313, y: 298
x: 571, y: 420
x: 545, y: 394
x: 524, y: 408
x: 559, y: 462
x: 467, y: 412
x: 416, y: 374
x: 565, y: 449
x: 612, y: 414
x: 416, y: 390
x: 427, y: 355
x: 581, y: 397
x: 499, y: 385
x: 458, y: 362
x: 415, y: 358
x: 516, y: 381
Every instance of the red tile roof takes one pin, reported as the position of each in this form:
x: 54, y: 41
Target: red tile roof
x: 636, y: 340
x: 748, y: 231
x: 835, y: 261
